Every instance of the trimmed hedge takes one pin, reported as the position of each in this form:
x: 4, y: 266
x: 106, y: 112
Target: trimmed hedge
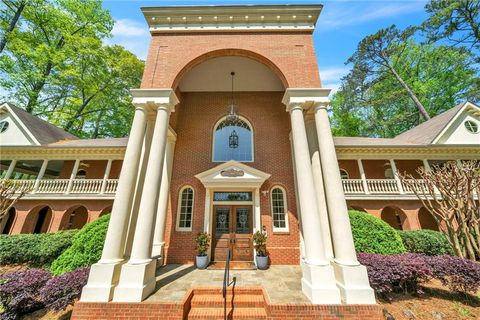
x: 86, y: 248
x: 36, y: 250
x: 429, y: 242
x: 372, y: 235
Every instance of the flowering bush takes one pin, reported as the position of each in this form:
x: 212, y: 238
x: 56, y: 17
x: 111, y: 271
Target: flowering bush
x: 19, y: 292
x: 458, y: 274
x: 61, y: 291
x: 203, y: 242
x: 405, y: 272
x: 260, y: 240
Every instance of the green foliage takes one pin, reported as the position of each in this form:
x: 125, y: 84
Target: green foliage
x: 429, y: 242
x: 203, y: 243
x: 86, y: 248
x: 36, y: 250
x: 260, y: 242
x: 372, y: 235
x: 55, y: 65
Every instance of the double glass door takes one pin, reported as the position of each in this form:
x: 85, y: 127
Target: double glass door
x: 233, y: 229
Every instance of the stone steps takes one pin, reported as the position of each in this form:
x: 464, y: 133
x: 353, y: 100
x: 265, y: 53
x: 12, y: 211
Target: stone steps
x: 217, y: 313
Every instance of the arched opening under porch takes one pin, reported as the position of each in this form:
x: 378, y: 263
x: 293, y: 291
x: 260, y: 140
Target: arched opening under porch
x: 356, y: 208
x: 76, y: 217
x: 105, y: 211
x: 395, y: 217
x: 426, y: 220
x: 40, y: 219
x: 6, y: 224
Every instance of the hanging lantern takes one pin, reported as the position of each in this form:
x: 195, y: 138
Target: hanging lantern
x: 232, y: 116
x: 233, y: 140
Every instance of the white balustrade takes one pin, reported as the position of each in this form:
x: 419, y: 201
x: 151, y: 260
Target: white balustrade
x: 111, y: 186
x: 52, y: 186
x: 383, y: 186
x: 59, y: 186
x: 410, y: 188
x: 353, y: 186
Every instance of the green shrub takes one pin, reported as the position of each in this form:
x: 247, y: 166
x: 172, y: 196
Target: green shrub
x: 372, y: 235
x: 36, y: 250
x: 429, y: 242
x: 86, y: 248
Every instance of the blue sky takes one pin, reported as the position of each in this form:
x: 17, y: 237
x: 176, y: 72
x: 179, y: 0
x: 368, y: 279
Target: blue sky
x: 342, y: 24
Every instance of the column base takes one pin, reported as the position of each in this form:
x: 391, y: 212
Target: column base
x: 102, y: 279
x: 137, y: 282
x: 318, y: 284
x: 353, y: 284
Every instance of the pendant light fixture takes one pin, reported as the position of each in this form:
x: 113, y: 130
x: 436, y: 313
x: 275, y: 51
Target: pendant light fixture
x: 232, y: 119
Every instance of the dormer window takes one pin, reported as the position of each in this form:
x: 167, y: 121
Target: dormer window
x: 4, y: 126
x: 471, y: 126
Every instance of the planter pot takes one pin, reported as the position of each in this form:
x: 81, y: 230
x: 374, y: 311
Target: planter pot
x: 201, y: 261
x: 262, y: 262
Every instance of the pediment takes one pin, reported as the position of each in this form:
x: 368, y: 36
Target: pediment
x: 232, y: 174
x: 456, y: 132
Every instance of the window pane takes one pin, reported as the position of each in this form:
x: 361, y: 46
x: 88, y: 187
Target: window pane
x: 278, y: 208
x: 223, y: 151
x: 186, y: 208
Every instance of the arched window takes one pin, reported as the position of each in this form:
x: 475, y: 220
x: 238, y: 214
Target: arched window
x: 233, y: 141
x: 81, y: 174
x: 344, y: 174
x: 279, y: 210
x: 185, y: 209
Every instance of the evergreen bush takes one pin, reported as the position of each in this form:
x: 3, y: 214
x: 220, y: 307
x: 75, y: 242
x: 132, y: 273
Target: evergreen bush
x: 86, y: 248
x: 373, y: 235
x: 429, y: 242
x: 36, y: 250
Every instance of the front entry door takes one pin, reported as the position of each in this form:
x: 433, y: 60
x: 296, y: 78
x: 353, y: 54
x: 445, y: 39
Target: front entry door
x: 233, y: 229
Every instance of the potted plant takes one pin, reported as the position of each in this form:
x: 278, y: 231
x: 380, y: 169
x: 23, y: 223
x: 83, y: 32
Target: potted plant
x: 259, y: 241
x: 203, y: 243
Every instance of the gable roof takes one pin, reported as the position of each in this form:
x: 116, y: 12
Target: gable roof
x: 39, y: 129
x: 429, y: 131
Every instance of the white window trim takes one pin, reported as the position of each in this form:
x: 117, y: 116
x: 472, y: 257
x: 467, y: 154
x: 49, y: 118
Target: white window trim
x: 346, y: 172
x: 179, y: 206
x: 213, y: 140
x: 285, y: 206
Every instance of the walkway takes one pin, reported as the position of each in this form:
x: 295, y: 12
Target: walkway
x: 282, y: 283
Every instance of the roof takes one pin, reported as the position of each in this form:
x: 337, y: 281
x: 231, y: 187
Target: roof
x: 41, y: 130
x: 426, y: 132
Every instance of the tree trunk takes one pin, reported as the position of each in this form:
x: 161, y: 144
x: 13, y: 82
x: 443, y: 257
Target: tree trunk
x: 410, y: 93
x: 37, y: 88
x: 13, y: 23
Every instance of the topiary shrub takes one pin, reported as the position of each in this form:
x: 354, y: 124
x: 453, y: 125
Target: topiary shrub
x: 429, y: 242
x: 86, y: 248
x: 36, y: 250
x: 373, y: 235
x: 19, y: 292
x: 60, y: 292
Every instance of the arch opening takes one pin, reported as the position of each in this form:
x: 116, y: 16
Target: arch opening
x: 42, y: 218
x: 395, y: 217
x: 6, y: 225
x: 76, y: 217
x: 426, y: 220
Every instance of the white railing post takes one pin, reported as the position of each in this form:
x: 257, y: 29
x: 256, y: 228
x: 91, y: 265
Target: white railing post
x: 11, y: 167
x: 362, y: 175
x: 72, y: 176
x: 395, y: 175
x: 426, y: 165
x: 105, y: 176
x: 40, y: 176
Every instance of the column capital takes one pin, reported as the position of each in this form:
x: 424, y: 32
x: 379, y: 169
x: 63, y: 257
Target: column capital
x: 310, y: 98
x: 154, y: 99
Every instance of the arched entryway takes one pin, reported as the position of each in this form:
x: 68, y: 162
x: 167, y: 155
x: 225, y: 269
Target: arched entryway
x: 357, y: 208
x: 426, y: 220
x: 395, y: 217
x: 41, y: 218
x: 105, y: 211
x: 7, y: 222
x: 77, y: 217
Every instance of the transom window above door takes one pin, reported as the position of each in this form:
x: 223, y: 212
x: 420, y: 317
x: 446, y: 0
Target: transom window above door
x: 233, y: 141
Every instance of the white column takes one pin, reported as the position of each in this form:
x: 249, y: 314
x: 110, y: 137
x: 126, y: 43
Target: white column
x: 105, y: 273
x: 351, y: 277
x: 426, y: 165
x: 73, y: 174
x: 362, y: 176
x: 397, y: 178
x: 11, y: 167
x: 106, y: 175
x: 318, y: 280
x: 162, y: 208
x: 319, y: 186
x: 41, y: 173
x: 137, y: 279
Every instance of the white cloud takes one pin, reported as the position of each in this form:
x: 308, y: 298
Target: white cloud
x: 330, y: 74
x: 131, y: 34
x: 349, y: 14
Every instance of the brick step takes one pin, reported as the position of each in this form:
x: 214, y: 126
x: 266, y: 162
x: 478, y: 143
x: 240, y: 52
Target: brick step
x: 206, y: 300
x: 238, y: 291
x: 217, y: 313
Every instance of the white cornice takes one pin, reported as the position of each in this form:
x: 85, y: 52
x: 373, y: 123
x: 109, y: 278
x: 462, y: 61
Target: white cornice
x: 34, y: 153
x: 251, y: 18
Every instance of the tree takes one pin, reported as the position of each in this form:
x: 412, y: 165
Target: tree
x: 9, y: 17
x: 374, y: 104
x: 10, y: 192
x: 455, y: 21
x: 449, y: 193
x: 379, y: 53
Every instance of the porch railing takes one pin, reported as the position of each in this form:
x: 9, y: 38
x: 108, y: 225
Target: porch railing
x: 62, y: 186
x: 377, y: 186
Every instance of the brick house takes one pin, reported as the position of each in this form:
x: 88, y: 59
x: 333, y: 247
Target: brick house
x: 230, y: 136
